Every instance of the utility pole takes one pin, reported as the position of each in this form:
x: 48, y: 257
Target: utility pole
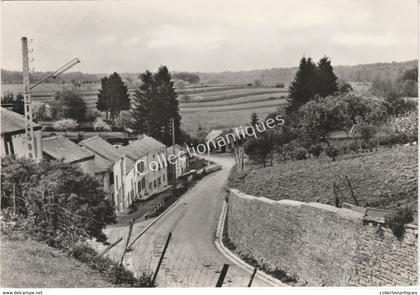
x: 29, y: 128
x: 30, y: 151
x: 173, y: 151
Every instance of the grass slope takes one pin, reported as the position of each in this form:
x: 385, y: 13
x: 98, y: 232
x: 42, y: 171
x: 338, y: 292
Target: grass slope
x: 30, y: 264
x: 383, y: 179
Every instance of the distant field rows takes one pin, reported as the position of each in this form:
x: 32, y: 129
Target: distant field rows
x: 204, y: 89
x: 218, y: 106
x: 241, y: 106
x: 191, y: 121
x: 233, y: 101
x: 217, y: 95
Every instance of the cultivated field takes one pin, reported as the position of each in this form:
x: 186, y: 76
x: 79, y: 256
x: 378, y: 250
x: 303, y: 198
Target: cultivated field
x: 209, y: 106
x: 383, y: 179
x: 230, y: 107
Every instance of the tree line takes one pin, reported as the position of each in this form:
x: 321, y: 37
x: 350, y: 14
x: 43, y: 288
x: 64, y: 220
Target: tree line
x: 318, y: 106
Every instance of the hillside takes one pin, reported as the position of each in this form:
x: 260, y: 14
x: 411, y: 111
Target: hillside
x: 383, y: 179
x: 355, y: 73
x: 31, y: 264
x: 268, y: 77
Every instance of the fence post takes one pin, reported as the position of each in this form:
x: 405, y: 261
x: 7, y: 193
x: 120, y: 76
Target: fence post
x: 99, y: 255
x: 252, y: 277
x: 130, y: 229
x: 351, y: 191
x: 14, y: 198
x: 222, y: 276
x: 161, y: 258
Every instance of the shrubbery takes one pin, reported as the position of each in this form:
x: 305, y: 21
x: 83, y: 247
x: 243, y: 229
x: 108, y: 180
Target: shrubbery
x: 398, y: 219
x: 60, y: 205
x: 299, y: 153
x: 55, y: 202
x: 113, y: 272
x: 316, y: 149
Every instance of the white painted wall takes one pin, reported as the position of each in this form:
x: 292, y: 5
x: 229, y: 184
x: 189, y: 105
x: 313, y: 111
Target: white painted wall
x: 20, y: 148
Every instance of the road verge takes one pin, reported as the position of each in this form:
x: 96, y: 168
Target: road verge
x: 235, y: 259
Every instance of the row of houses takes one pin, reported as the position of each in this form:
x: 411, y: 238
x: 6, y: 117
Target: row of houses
x: 114, y: 167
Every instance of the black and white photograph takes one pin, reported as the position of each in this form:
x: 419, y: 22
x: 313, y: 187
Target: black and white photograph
x: 267, y: 145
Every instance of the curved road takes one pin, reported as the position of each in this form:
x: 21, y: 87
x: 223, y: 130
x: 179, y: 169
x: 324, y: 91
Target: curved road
x: 192, y: 259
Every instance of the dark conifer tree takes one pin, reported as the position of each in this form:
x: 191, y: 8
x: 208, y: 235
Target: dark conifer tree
x: 113, y: 97
x: 154, y: 105
x: 326, y: 80
x: 103, y: 102
x: 254, y: 119
x: 303, y: 87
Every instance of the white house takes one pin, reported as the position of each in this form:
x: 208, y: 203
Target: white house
x: 13, y: 135
x: 105, y: 157
x: 132, y: 184
x: 180, y: 159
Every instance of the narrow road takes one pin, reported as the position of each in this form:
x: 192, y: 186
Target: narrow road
x: 192, y: 259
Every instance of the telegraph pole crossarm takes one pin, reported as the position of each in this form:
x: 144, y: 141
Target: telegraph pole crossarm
x: 31, y: 152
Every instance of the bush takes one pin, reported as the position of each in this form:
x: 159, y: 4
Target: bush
x: 393, y: 139
x: 353, y: 146
x: 406, y: 125
x: 396, y: 221
x: 113, y: 272
x: 367, y: 132
x: 101, y: 125
x: 68, y: 104
x: 316, y: 149
x: 299, y: 153
x: 58, y: 202
x: 332, y: 152
x: 65, y: 125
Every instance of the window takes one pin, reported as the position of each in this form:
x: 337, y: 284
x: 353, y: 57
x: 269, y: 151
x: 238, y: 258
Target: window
x: 139, y: 186
x: 154, y: 183
x: 143, y: 182
x: 164, y: 177
x: 111, y: 178
x: 150, y: 185
x: 159, y: 181
x: 140, y: 167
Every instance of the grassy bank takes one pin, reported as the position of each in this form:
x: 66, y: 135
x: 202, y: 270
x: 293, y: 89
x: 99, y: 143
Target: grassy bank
x: 26, y: 263
x: 383, y: 179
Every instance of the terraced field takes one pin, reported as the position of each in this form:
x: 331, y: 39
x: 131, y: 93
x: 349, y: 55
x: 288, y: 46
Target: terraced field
x: 234, y: 93
x: 209, y: 106
x: 223, y: 108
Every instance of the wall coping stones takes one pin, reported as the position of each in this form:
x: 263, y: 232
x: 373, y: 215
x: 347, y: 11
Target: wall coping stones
x: 342, y: 212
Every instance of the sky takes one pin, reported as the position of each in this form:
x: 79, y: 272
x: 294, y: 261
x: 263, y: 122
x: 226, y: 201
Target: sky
x: 207, y: 36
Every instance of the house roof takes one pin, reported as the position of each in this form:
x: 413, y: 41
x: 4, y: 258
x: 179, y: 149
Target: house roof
x: 63, y: 149
x: 235, y: 134
x: 215, y: 133
x: 178, y: 149
x: 14, y: 123
x: 105, y: 153
x: 140, y: 148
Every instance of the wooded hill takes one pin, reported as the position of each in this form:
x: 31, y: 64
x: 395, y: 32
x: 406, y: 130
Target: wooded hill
x: 268, y: 77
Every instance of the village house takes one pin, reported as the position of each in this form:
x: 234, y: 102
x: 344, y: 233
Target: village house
x: 62, y: 149
x: 181, y: 159
x: 105, y: 157
x: 138, y: 184
x: 13, y: 135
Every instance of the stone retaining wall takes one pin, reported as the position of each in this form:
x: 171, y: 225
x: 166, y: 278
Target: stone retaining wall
x: 319, y: 244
